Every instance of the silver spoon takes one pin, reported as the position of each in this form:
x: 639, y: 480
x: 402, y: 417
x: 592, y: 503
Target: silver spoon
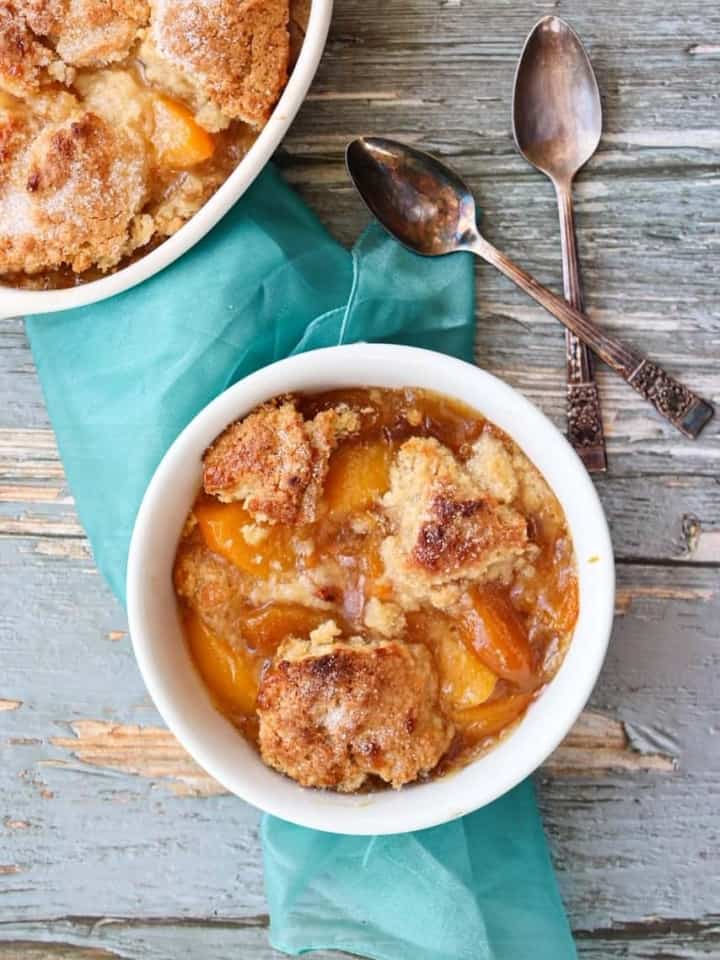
x: 557, y: 123
x: 428, y: 208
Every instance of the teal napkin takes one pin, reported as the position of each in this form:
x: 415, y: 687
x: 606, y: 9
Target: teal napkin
x: 121, y: 380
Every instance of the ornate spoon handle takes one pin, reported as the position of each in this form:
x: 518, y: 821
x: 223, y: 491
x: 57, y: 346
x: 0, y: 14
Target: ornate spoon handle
x: 684, y: 409
x: 585, y: 426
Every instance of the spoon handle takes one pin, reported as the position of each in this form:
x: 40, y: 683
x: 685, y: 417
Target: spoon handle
x: 684, y: 409
x: 585, y: 426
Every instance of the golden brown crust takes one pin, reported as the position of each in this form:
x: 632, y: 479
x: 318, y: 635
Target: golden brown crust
x: 222, y: 58
x: 87, y: 33
x: 446, y: 529
x: 24, y: 60
x: 15, y: 133
x: 209, y: 585
x: 275, y: 462
x: 332, y: 714
x: 70, y: 196
x: 244, y: 78
x: 491, y: 466
x: 265, y: 460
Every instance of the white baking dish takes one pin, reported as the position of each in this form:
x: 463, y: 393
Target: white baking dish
x: 177, y: 689
x: 15, y: 302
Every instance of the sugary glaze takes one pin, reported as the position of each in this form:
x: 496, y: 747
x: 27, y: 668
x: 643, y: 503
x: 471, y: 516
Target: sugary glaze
x: 118, y: 121
x: 374, y: 584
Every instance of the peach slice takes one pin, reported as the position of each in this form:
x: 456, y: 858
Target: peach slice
x: 499, y: 637
x: 464, y: 680
x: 357, y: 475
x: 228, y: 529
x: 179, y: 140
x: 267, y: 627
x: 490, y: 718
x: 231, y: 677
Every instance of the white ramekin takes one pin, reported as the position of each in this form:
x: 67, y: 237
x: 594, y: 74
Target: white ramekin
x: 177, y: 690
x: 15, y: 302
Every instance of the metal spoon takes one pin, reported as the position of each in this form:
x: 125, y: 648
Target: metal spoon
x: 428, y: 208
x: 557, y: 122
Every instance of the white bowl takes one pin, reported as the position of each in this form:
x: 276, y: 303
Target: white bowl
x: 15, y: 302
x: 177, y: 689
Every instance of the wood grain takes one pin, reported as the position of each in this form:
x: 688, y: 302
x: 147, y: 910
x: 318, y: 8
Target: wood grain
x: 112, y: 843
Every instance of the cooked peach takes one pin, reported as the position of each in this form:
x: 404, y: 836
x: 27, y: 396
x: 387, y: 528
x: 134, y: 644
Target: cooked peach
x: 232, y: 677
x: 178, y: 139
x: 490, y: 718
x: 499, y: 637
x: 228, y: 529
x: 464, y: 680
x: 266, y: 627
x: 358, y: 474
x: 568, y: 606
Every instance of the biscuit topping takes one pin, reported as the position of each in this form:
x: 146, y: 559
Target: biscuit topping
x: 386, y: 575
x: 162, y: 99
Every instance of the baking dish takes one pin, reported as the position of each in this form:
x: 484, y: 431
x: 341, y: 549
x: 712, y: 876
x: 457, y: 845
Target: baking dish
x: 16, y: 302
x: 178, y: 691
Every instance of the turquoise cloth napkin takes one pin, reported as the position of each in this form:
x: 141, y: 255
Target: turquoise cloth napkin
x: 121, y: 380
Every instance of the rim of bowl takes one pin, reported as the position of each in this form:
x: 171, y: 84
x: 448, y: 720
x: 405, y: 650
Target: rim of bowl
x: 515, y: 757
x: 18, y: 302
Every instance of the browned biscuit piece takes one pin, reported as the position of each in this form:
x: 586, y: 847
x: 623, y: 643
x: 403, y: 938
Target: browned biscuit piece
x: 234, y: 53
x: 275, y: 462
x: 334, y: 712
x: 211, y: 586
x: 70, y: 193
x: 24, y: 60
x: 447, y: 529
x: 87, y: 33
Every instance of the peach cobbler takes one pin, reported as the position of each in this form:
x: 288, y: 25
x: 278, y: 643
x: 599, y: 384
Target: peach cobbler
x: 118, y: 121
x: 374, y: 584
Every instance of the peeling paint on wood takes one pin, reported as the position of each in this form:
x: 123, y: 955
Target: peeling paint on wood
x: 12, y: 824
x: 39, y: 527
x: 29, y: 950
x: 626, y: 596
x: 62, y: 549
x: 29, y: 493
x: 10, y: 705
x: 151, y: 752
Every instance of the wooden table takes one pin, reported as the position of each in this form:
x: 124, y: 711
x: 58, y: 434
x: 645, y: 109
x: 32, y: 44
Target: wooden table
x: 112, y: 844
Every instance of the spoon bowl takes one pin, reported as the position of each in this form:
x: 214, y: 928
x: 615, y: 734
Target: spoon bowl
x: 557, y: 112
x: 427, y: 207
x: 419, y: 200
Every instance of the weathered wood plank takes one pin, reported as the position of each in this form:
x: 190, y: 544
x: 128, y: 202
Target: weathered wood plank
x: 110, y: 938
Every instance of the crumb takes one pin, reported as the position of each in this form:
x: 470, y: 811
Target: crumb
x: 186, y: 49
x: 385, y: 619
x: 413, y: 417
x: 253, y: 533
